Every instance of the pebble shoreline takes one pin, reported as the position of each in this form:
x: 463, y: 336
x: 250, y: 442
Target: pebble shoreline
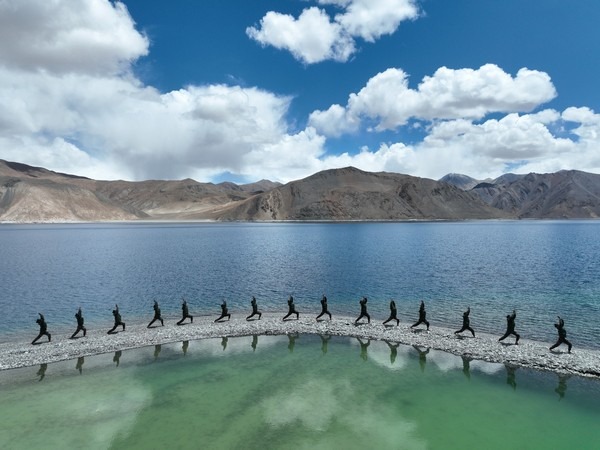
x: 485, y: 347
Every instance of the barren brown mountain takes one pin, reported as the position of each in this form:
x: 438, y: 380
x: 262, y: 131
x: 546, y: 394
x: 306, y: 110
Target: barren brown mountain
x: 352, y: 194
x: 35, y: 194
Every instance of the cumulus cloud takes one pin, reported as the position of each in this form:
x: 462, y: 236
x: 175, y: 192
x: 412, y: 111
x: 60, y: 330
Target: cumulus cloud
x: 79, y: 108
x: 388, y: 101
x: 69, y: 101
x: 315, y: 37
x: 311, y: 38
x: 93, y: 36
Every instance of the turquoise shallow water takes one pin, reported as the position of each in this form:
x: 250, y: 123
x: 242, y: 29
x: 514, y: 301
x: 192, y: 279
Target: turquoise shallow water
x: 299, y: 392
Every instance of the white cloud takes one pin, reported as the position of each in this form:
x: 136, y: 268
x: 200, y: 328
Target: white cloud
x: 79, y: 109
x: 387, y: 99
x: 311, y: 38
x: 93, y: 36
x: 314, y: 37
x: 370, y: 19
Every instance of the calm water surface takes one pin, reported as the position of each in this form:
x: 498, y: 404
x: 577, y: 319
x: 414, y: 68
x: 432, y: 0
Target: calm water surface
x: 302, y: 392
x: 540, y: 268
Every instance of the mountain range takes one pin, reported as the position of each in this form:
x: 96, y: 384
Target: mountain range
x: 35, y: 194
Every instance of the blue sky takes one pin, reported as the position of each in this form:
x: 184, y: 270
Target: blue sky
x: 243, y: 90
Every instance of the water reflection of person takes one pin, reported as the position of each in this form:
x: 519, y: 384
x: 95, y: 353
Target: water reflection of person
x: 118, y: 321
x: 466, y: 366
x: 185, y: 313
x: 224, y: 312
x: 422, y: 316
x: 42, y: 371
x: 291, y: 309
x: 224, y: 340
x: 562, y: 385
x: 510, y: 327
x: 363, y: 348
x: 324, y: 342
x: 255, y: 310
x: 510, y: 375
x: 363, y: 310
x: 324, y: 309
x: 80, y: 327
x: 184, y: 347
x: 422, y: 357
x: 466, y: 323
x: 157, y: 315
x: 117, y: 357
x: 79, y: 365
x: 157, y: 349
x: 292, y: 342
x: 41, y: 321
x: 393, y: 350
x: 254, y: 342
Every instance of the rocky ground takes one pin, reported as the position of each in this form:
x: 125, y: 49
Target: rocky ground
x: 484, y: 347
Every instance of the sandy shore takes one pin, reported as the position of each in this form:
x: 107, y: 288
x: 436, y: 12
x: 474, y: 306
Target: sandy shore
x: 483, y: 347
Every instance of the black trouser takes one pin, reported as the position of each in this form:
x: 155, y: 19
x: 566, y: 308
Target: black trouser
x: 561, y: 340
x: 508, y: 333
x: 392, y: 317
x: 222, y: 316
x: 419, y: 322
x: 155, y: 319
x: 292, y: 312
x: 115, y: 327
x: 185, y: 317
x: 254, y: 313
x: 465, y: 328
x: 364, y: 314
x: 79, y: 328
x: 323, y: 313
x: 42, y: 333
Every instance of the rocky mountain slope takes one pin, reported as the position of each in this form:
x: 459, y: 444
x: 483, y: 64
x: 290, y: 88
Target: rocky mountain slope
x: 35, y: 194
x: 566, y: 194
x: 352, y: 194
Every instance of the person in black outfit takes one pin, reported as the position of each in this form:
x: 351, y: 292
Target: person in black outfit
x: 393, y: 314
x: 562, y: 334
x: 224, y: 312
x: 185, y: 313
x: 157, y: 315
x: 291, y: 309
x: 363, y: 311
x: 324, y: 309
x: 118, y: 320
x: 422, y: 316
x: 80, y: 327
x: 255, y: 310
x: 43, y: 329
x: 466, y: 322
x: 510, y: 327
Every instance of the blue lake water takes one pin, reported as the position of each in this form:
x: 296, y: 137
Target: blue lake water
x: 541, y: 268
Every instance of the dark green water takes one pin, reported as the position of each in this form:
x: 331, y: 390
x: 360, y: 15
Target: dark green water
x: 293, y: 394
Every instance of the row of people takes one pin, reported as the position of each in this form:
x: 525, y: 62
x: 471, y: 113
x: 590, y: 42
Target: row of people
x: 510, y: 319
